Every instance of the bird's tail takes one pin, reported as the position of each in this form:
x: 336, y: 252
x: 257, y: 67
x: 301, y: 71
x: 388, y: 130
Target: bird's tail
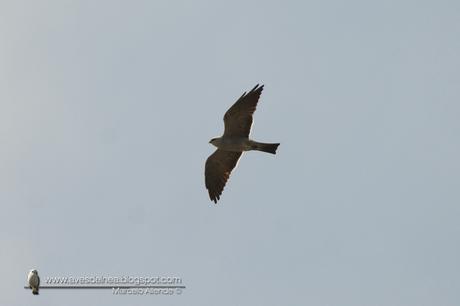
x: 35, y: 291
x: 266, y: 147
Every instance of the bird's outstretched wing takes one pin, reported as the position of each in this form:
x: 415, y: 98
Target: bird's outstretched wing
x: 218, y: 167
x: 238, y: 118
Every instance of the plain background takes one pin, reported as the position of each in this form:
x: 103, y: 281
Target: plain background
x: 107, y: 107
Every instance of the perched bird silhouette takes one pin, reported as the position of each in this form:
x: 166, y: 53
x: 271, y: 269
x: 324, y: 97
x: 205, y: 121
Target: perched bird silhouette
x: 34, y: 281
x: 230, y: 146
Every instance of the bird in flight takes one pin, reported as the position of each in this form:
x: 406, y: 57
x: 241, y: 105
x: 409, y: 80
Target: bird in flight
x: 34, y: 281
x: 230, y: 146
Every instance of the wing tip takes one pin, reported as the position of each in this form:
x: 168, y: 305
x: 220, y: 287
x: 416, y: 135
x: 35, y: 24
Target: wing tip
x: 258, y: 87
x: 214, y: 198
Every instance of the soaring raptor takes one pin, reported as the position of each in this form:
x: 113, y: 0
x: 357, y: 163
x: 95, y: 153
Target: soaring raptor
x: 230, y: 146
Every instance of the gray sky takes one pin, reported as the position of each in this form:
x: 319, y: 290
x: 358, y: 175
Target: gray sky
x: 107, y: 108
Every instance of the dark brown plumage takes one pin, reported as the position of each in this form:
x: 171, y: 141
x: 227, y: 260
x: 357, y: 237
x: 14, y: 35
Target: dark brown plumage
x: 238, y: 118
x: 218, y: 167
x: 238, y: 121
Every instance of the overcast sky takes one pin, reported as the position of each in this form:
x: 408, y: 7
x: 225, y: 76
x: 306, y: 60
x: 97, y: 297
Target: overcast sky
x: 107, y: 107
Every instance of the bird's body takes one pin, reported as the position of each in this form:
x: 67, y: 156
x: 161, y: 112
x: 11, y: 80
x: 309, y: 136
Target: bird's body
x: 230, y: 146
x: 241, y: 144
x: 234, y: 144
x: 34, y: 281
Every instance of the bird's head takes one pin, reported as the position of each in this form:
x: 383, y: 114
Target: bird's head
x: 34, y: 271
x: 214, y: 141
